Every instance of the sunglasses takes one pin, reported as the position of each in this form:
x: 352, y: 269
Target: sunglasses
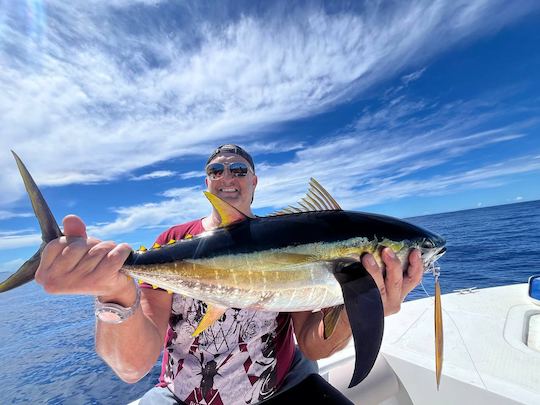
x: 215, y: 170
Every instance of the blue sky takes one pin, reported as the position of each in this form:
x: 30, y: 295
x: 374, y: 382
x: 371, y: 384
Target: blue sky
x: 402, y: 108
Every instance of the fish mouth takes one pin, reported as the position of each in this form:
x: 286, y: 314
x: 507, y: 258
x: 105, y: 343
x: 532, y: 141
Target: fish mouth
x: 430, y: 255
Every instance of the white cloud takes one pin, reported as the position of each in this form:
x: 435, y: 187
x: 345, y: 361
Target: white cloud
x: 9, y: 214
x: 89, y: 97
x: 17, y: 241
x: 182, y: 205
x: 411, y: 77
x: 158, y: 174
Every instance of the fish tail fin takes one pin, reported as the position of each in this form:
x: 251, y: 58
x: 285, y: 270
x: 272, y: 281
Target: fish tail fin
x: 22, y: 276
x: 366, y: 315
x: 49, y: 230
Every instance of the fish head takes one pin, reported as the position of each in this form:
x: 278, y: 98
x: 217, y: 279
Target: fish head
x: 431, y: 249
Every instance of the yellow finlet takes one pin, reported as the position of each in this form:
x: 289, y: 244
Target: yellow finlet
x: 188, y: 236
x: 155, y: 287
x: 139, y: 281
x: 226, y: 211
x: 169, y: 292
x: 438, y: 333
x: 212, y: 314
x: 171, y: 242
x: 156, y: 246
x: 143, y: 249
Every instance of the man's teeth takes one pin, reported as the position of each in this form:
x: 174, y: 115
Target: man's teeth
x: 229, y: 190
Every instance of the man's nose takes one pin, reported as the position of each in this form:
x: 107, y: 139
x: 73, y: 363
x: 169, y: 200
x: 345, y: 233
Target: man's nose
x: 227, y: 174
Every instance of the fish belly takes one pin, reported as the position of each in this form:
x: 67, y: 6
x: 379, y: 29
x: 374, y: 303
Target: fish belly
x: 287, y: 288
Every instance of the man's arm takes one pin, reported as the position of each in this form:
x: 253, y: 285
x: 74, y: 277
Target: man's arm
x: 77, y: 264
x: 309, y: 328
x: 133, y: 347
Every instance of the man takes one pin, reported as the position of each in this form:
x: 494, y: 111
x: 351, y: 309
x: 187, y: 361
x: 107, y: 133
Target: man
x: 247, y: 355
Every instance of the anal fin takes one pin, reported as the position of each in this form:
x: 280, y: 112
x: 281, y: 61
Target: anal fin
x: 330, y: 319
x: 212, y: 314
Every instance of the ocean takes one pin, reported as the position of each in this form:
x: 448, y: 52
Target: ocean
x: 47, y: 344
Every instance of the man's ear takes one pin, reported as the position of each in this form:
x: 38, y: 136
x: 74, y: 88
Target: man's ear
x: 255, y: 180
x: 206, y: 181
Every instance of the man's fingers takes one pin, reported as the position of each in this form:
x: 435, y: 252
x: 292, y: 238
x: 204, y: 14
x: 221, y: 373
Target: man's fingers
x: 110, y: 265
x: 394, y: 281
x: 413, y: 276
x: 394, y: 272
x: 95, y: 255
x: 369, y: 263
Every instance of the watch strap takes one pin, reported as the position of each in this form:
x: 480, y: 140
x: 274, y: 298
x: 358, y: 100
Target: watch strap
x: 109, y: 312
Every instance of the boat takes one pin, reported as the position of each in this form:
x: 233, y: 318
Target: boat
x: 491, y: 352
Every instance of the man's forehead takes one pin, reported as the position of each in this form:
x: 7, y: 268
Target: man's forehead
x: 229, y: 157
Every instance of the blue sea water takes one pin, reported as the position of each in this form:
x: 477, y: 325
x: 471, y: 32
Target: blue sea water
x: 47, y: 345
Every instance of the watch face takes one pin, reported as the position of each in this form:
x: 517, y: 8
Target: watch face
x: 109, y: 317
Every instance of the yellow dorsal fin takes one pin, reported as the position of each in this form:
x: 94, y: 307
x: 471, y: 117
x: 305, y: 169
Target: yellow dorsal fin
x: 156, y: 246
x: 316, y: 199
x: 212, y: 314
x: 172, y: 241
x: 143, y: 249
x: 226, y: 211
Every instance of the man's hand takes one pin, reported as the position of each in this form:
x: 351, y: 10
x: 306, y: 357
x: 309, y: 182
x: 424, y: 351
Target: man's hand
x: 78, y: 264
x: 396, y: 284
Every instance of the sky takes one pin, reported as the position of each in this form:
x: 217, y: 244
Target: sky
x: 401, y: 108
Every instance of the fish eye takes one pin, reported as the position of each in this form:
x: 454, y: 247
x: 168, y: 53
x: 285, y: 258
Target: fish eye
x: 428, y: 244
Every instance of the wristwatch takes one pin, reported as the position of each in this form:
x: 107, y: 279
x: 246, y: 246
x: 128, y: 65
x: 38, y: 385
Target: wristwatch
x: 114, y: 313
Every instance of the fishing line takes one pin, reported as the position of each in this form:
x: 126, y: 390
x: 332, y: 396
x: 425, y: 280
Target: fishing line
x: 466, y: 349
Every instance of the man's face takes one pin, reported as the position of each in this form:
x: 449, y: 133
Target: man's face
x: 237, y: 191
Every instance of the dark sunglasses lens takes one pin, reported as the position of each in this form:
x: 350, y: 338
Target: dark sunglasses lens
x: 215, y: 170
x: 238, y: 169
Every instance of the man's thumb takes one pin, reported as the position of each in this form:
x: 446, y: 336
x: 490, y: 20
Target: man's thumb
x: 74, y: 226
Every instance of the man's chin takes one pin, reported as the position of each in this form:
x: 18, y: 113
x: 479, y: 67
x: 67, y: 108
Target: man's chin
x: 231, y: 198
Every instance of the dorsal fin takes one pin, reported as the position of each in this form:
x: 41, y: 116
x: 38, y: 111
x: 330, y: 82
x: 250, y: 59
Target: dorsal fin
x: 316, y: 199
x: 226, y: 211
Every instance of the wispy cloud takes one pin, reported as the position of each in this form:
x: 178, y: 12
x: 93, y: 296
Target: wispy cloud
x: 9, y: 214
x: 87, y: 97
x: 181, y: 205
x: 158, y: 174
x: 411, y: 77
x: 17, y: 241
x: 404, y: 149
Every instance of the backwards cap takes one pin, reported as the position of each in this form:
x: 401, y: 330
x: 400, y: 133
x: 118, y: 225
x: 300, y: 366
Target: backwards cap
x: 231, y: 148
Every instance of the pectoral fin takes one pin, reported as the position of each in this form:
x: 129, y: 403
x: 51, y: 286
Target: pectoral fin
x: 366, y: 316
x: 212, y: 314
x: 330, y: 320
